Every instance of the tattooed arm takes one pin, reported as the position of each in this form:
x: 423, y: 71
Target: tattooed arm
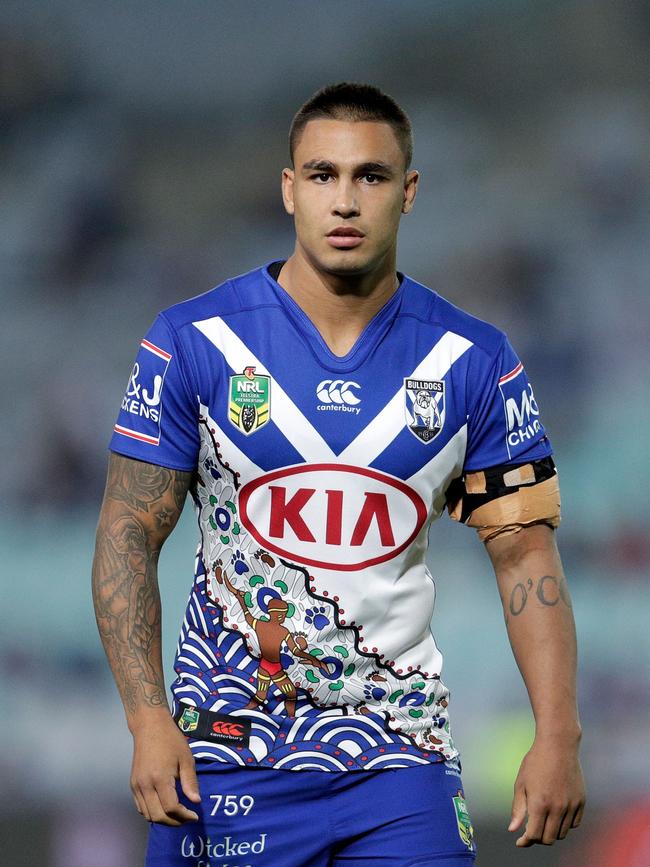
x: 141, y: 506
x: 538, y: 615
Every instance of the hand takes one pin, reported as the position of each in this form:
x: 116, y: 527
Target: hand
x: 161, y: 755
x: 549, y: 788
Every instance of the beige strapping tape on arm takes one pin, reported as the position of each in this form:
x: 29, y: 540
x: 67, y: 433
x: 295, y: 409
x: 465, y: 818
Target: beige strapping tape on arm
x: 535, y: 504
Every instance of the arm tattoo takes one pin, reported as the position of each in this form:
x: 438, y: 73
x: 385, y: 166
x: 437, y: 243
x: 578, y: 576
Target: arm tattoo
x: 141, y: 507
x: 548, y: 589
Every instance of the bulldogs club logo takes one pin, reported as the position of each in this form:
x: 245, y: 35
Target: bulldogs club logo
x: 249, y: 406
x: 424, y: 407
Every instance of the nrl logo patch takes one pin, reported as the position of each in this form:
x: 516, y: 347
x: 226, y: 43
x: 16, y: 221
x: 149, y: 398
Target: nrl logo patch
x: 189, y: 720
x: 465, y: 830
x: 249, y: 406
x: 424, y: 407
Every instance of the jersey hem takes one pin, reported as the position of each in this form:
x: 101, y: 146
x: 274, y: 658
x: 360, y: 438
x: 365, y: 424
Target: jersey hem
x: 168, y: 465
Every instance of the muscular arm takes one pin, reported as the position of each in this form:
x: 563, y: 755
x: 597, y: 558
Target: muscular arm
x: 539, y: 619
x: 142, y: 504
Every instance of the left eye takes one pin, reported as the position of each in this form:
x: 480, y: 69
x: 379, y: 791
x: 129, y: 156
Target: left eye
x: 371, y: 178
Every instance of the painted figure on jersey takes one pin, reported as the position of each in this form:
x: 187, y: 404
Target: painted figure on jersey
x: 271, y: 634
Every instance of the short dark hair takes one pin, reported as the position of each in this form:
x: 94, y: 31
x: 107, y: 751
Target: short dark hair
x: 350, y: 101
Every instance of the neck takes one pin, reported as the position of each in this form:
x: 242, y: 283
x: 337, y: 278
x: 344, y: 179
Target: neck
x: 339, y: 305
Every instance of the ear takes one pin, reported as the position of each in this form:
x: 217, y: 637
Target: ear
x: 410, y: 189
x: 287, y: 190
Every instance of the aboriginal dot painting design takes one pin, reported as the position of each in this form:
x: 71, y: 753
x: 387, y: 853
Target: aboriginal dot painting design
x: 264, y: 638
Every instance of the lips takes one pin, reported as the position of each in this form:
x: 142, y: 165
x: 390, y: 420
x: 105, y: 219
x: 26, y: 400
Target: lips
x: 345, y: 231
x: 345, y: 237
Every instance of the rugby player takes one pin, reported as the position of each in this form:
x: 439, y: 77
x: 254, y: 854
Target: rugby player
x: 322, y: 411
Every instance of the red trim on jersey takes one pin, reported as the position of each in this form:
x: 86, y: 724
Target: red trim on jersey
x: 514, y: 372
x: 156, y: 350
x: 125, y: 431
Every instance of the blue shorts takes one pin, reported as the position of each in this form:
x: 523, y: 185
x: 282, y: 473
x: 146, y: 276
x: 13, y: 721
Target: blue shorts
x: 259, y: 816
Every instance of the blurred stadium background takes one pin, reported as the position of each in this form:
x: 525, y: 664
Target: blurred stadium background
x: 140, y: 154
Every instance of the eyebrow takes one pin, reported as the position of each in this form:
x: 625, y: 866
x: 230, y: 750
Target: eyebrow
x: 362, y: 169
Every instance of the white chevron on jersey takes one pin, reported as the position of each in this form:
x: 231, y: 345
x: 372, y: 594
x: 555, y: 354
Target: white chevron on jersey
x: 302, y: 435
x: 387, y: 424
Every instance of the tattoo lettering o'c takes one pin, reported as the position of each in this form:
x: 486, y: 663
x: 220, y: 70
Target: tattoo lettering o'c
x: 519, y: 597
x: 548, y: 589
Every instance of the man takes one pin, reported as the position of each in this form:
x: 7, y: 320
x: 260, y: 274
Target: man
x: 322, y: 412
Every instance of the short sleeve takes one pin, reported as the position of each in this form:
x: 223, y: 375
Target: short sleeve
x: 504, y: 424
x: 158, y: 419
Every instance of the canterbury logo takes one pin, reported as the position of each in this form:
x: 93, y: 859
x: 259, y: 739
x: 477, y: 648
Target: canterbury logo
x: 227, y: 728
x: 338, y: 391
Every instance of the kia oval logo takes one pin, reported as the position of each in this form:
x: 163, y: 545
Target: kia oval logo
x: 333, y: 516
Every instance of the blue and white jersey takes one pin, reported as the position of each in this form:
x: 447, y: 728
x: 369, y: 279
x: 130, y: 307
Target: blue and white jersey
x: 307, y: 640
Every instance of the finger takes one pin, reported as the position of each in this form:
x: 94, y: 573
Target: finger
x: 189, y: 781
x: 156, y: 810
x: 578, y: 816
x: 534, y: 827
x: 552, y: 827
x: 168, y: 797
x: 518, y: 813
x: 140, y: 804
x: 565, y: 827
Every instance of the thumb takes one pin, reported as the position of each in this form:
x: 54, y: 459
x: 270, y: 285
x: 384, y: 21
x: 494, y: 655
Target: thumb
x: 189, y: 782
x: 518, y: 809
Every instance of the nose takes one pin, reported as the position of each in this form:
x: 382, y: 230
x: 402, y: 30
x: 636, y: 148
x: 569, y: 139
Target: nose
x: 345, y: 203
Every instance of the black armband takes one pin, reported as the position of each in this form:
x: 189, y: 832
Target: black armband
x: 505, y: 498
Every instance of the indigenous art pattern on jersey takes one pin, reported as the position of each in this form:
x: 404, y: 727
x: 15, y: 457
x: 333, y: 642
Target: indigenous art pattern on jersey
x: 310, y: 614
x: 319, y: 672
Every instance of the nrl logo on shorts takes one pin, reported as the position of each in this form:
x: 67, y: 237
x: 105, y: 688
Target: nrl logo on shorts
x: 249, y: 406
x: 465, y: 829
x: 425, y: 407
x: 189, y: 720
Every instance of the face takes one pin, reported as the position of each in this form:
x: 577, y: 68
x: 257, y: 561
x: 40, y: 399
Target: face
x: 347, y: 194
